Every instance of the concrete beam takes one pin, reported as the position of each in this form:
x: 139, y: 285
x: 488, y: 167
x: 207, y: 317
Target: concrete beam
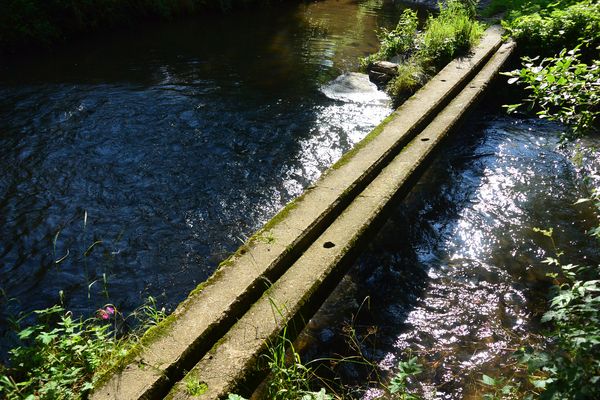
x: 301, y: 289
x: 177, y: 344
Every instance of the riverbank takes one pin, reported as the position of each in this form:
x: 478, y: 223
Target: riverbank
x: 30, y: 24
x: 408, y: 57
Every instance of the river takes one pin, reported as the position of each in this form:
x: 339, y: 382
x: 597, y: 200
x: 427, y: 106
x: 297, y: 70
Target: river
x: 135, y: 161
x: 455, y: 276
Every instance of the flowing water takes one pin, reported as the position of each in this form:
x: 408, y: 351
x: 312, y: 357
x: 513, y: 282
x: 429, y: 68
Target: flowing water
x: 133, y: 163
x: 455, y: 275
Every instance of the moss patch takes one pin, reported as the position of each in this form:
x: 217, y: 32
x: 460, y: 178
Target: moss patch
x: 368, y: 139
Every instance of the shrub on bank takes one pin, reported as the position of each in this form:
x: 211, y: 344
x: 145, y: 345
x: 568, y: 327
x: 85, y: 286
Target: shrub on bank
x: 453, y: 32
x: 547, y: 30
x: 399, y: 41
x: 421, y: 54
x: 563, y: 89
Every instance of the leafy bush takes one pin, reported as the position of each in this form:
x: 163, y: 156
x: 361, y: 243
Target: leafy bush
x: 406, y: 370
x: 569, y: 366
x: 58, y: 357
x: 62, y: 357
x: 451, y: 33
x: 572, y: 371
x: 563, y: 88
x: 522, y: 7
x: 544, y: 28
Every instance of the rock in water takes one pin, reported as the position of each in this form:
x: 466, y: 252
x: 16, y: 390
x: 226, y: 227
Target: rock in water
x: 381, y: 72
x: 355, y: 88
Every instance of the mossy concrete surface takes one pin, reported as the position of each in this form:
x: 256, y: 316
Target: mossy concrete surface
x: 297, y: 294
x: 211, y: 310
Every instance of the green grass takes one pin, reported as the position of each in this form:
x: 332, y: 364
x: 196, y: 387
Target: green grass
x: 411, y: 76
x: 450, y: 34
x: 289, y: 378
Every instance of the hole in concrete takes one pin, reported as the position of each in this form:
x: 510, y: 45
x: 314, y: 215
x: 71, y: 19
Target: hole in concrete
x: 328, y: 245
x: 243, y: 251
x: 442, y: 80
x: 425, y: 139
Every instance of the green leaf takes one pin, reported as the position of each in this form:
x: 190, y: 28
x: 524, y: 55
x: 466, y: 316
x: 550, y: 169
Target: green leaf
x: 488, y: 380
x: 25, y: 333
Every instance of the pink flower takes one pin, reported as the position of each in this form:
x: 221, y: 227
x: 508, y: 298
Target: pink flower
x: 106, y: 312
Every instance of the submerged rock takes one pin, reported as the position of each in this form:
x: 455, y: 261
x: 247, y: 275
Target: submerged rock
x: 354, y: 87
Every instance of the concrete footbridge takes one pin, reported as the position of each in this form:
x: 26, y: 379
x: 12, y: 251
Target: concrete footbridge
x: 282, y: 274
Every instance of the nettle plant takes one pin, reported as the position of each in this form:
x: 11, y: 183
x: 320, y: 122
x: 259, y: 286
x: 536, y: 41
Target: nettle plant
x: 569, y: 366
x: 573, y: 369
x: 563, y: 88
x: 398, y: 385
x: 61, y: 356
x: 58, y: 355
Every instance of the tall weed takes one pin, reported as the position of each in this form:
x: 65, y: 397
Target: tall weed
x: 451, y: 33
x: 63, y: 357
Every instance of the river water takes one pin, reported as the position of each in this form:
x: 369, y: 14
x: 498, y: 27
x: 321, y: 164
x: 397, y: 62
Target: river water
x: 455, y: 276
x: 168, y: 145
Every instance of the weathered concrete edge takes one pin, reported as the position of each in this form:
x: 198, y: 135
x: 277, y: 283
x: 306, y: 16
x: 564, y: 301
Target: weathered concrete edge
x: 303, y: 287
x: 147, y: 371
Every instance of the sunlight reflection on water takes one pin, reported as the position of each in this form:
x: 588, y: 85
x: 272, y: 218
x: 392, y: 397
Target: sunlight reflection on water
x: 454, y: 275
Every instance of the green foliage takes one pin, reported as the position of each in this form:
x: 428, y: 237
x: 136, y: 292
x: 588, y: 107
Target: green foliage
x: 62, y: 357
x: 500, y: 389
x: 564, y: 88
x: 406, y: 370
x: 451, y: 33
x: 58, y: 357
x: 569, y: 366
x: 522, y: 7
x: 194, y: 387
x: 541, y: 27
x: 411, y: 76
x: 573, y: 370
x: 398, y: 42
x: 290, y: 378
x: 27, y: 22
